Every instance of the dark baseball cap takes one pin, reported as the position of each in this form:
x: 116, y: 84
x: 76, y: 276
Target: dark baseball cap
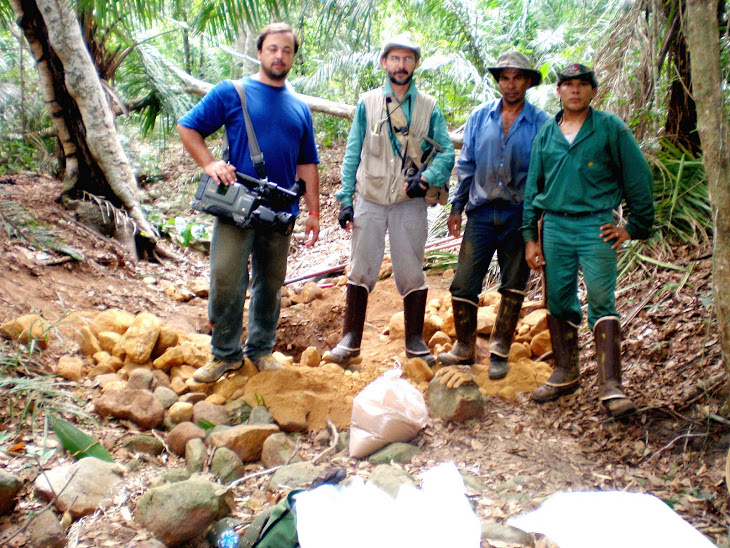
x: 576, y: 71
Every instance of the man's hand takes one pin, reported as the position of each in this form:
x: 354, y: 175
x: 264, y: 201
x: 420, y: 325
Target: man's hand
x: 221, y: 172
x: 346, y: 217
x: 416, y: 187
x: 454, y: 224
x: 311, y: 229
x: 613, y: 232
x: 454, y: 376
x: 533, y: 255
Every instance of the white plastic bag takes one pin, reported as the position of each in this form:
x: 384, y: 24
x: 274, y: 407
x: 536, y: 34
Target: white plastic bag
x: 359, y: 515
x: 606, y: 519
x: 388, y: 410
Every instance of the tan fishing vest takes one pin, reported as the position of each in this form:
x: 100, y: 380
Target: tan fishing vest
x: 380, y: 174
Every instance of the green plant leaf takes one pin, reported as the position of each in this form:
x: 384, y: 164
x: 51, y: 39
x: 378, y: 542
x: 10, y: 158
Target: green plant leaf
x: 77, y: 443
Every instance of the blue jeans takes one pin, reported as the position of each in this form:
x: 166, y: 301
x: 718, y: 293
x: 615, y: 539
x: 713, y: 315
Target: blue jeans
x: 230, y: 250
x: 492, y: 227
x: 572, y: 242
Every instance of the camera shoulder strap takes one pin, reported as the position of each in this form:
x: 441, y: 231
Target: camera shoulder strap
x: 257, y: 157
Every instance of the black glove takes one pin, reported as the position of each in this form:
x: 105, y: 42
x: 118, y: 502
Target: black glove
x: 416, y: 188
x: 346, y: 216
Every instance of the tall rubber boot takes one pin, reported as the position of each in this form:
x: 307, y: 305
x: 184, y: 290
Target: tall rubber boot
x: 347, y: 351
x: 414, y: 310
x: 465, y: 322
x: 607, y: 336
x: 566, y: 375
x: 503, y: 333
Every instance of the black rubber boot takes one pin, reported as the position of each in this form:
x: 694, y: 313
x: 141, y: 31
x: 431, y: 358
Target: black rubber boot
x: 566, y: 375
x: 465, y: 323
x: 347, y: 351
x: 414, y: 310
x: 607, y: 336
x: 504, y: 331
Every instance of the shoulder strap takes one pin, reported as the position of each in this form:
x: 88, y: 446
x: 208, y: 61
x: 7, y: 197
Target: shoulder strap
x: 251, y: 537
x: 257, y: 157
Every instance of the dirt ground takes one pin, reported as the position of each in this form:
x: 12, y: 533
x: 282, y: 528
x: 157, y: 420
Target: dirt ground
x: 674, y: 447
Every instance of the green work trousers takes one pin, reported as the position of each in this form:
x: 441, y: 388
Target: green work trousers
x: 573, y: 242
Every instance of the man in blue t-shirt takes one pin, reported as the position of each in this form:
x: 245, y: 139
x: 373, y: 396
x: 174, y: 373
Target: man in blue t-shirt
x: 492, y: 171
x: 283, y: 127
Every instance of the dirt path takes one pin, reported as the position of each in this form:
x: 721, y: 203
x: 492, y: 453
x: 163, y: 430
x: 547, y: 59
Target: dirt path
x: 519, y: 452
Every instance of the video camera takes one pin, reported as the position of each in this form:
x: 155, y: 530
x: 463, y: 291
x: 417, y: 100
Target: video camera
x: 254, y: 203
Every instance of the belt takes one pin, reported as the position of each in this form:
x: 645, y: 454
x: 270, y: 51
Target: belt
x: 567, y: 214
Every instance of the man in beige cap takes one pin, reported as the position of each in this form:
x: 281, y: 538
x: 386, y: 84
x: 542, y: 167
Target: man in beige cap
x: 492, y: 170
x: 398, y: 153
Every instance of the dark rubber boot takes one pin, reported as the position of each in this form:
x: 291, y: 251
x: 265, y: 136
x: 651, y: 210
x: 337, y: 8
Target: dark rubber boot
x: 465, y: 323
x: 503, y: 333
x: 607, y: 336
x: 566, y: 375
x: 414, y: 310
x: 347, y: 351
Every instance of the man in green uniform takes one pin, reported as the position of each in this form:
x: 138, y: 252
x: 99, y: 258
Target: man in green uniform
x: 582, y: 164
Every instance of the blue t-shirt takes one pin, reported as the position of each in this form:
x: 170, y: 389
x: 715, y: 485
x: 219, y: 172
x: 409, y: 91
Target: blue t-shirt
x: 282, y: 123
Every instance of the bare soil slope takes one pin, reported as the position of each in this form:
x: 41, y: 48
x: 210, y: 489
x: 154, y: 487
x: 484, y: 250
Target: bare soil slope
x: 675, y: 447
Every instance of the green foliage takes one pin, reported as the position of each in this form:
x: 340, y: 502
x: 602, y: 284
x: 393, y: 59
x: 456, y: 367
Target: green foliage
x: 683, y: 213
x: 78, y: 443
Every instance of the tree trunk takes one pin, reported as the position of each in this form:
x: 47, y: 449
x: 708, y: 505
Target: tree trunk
x: 81, y: 115
x: 712, y: 120
x: 681, y: 109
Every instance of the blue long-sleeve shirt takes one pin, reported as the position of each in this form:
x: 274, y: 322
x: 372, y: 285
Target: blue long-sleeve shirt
x: 492, y: 166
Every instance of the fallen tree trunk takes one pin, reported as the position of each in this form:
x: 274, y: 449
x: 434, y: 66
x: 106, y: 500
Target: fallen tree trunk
x: 341, y: 110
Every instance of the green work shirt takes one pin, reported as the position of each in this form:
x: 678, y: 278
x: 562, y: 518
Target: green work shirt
x: 603, y: 164
x: 437, y: 174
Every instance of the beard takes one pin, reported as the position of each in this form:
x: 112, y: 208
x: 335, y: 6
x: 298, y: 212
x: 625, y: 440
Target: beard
x: 277, y: 74
x: 400, y: 77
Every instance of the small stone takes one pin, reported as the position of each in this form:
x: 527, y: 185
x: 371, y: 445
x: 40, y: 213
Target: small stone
x: 310, y: 357
x: 70, y: 367
x: 454, y: 404
x: 214, y: 414
x: 260, y: 415
x: 417, y: 370
x: 143, y: 444
x: 396, y: 326
x: 278, y: 449
x: 245, y: 440
x: 399, y: 452
x: 195, y: 455
x: 295, y: 476
x: 166, y: 396
x: 541, y: 344
x: 226, y: 465
x: 45, y: 531
x: 181, y: 434
x: 439, y: 338
x: 114, y: 320
x: 88, y: 344
x: 10, y: 486
x: 140, y: 379
x: 108, y: 340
